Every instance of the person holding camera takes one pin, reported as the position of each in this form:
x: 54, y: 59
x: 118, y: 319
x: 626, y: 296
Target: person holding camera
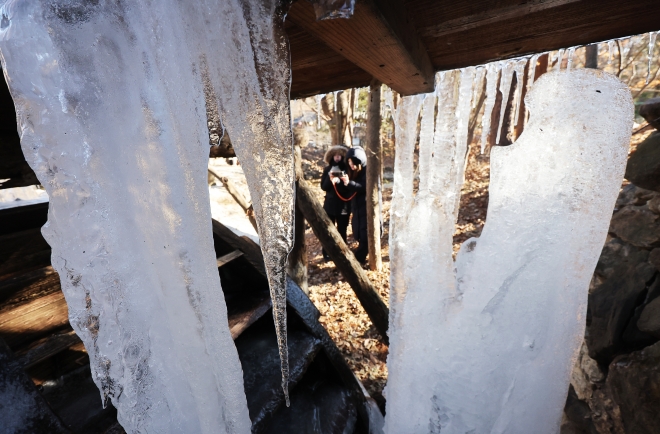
x: 337, y: 203
x: 356, y: 183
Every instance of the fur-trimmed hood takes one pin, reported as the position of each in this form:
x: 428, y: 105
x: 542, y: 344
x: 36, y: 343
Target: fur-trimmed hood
x: 341, y: 150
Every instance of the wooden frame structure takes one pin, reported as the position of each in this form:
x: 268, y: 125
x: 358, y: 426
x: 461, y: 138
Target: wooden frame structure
x: 403, y: 43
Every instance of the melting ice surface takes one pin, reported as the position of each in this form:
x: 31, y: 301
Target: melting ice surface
x: 486, y: 345
x: 112, y: 118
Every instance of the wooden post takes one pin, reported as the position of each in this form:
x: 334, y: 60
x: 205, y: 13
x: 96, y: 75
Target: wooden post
x: 297, y: 261
x: 374, y: 163
x: 343, y: 258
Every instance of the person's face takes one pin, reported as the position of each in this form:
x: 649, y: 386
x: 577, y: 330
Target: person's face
x: 337, y: 158
x: 351, y: 165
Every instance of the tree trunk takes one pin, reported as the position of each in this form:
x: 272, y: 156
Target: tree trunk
x: 328, y: 107
x: 591, y: 56
x: 343, y: 258
x: 374, y: 163
x: 297, y: 260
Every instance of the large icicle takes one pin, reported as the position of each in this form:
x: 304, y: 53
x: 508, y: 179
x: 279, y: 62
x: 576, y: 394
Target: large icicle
x: 116, y: 132
x: 463, y: 110
x: 421, y: 270
x: 490, y: 350
x: 405, y: 120
x: 492, y: 75
x: 505, y: 89
x: 520, y: 79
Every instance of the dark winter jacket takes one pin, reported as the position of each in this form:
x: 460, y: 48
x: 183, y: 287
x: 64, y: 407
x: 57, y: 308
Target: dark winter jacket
x: 332, y: 204
x: 358, y: 185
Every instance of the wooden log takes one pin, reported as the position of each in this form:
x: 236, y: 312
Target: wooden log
x: 374, y: 170
x: 238, y: 197
x: 22, y: 408
x: 343, y: 258
x: 296, y: 265
x: 238, y: 323
x: 225, y: 259
x: 48, y: 348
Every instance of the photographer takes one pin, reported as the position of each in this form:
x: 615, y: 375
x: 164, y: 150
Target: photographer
x: 356, y: 183
x: 337, y: 197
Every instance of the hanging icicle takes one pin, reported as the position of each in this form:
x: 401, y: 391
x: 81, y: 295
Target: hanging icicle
x: 318, y: 97
x: 505, y: 89
x: 477, y: 85
x: 610, y: 47
x: 652, y: 38
x: 520, y: 80
x: 492, y: 73
x: 571, y: 55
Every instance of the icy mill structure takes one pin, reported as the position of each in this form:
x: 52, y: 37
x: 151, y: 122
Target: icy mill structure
x: 116, y: 132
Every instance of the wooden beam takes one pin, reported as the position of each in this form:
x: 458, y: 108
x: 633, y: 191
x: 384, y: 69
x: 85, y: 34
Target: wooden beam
x: 379, y: 38
x: 225, y: 259
x: 491, y: 16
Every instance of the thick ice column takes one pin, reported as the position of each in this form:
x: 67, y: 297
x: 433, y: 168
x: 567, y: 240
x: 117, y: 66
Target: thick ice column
x: 112, y: 118
x: 405, y: 120
x: 422, y: 261
x: 491, y: 349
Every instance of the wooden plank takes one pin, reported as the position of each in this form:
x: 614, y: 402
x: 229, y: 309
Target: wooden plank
x: 49, y: 347
x: 343, y: 258
x: 562, y: 25
x: 34, y: 319
x: 22, y: 408
x: 27, y: 287
x: 225, y: 259
x: 379, y: 38
x: 23, y: 251
x: 490, y: 16
x: 21, y: 218
x: 238, y: 323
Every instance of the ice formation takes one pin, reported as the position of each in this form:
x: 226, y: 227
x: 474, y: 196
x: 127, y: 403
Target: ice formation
x: 486, y: 345
x: 112, y: 118
x: 492, y: 74
x: 652, y: 39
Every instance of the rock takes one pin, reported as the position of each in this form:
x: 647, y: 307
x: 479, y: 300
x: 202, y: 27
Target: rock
x: 615, y: 253
x: 650, y: 110
x: 654, y: 258
x: 637, y: 225
x: 612, y: 305
x: 585, y: 374
x: 649, y: 320
x: 579, y: 415
x: 643, y: 167
x: 654, y: 205
x: 634, y: 380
